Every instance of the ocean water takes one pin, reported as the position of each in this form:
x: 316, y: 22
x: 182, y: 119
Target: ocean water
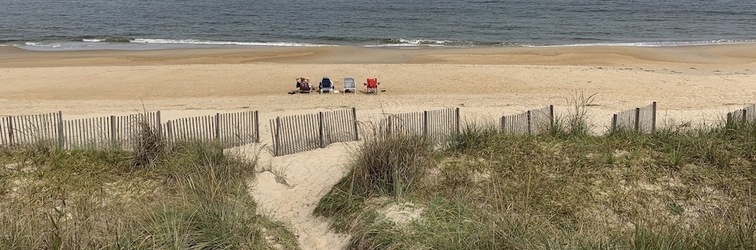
x: 148, y: 24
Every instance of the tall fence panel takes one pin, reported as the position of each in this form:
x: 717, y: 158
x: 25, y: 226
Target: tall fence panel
x: 125, y: 130
x: 201, y: 128
x: 294, y: 134
x: 31, y: 129
x: 641, y: 119
x: 433, y: 125
x: 340, y: 126
x: 90, y: 133
x: 411, y: 124
x: 744, y: 115
x: 534, y: 121
x: 236, y: 129
x: 439, y: 124
x: 228, y: 129
x: 4, y: 130
x: 299, y: 133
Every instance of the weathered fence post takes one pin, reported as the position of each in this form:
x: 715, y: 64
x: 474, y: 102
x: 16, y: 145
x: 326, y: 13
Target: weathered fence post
x: 388, y: 130
x: 745, y: 115
x: 653, y: 117
x: 354, y: 116
x: 320, y: 130
x: 217, y: 128
x: 277, y: 137
x: 113, y: 131
x: 530, y: 129
x: 614, y: 123
x: 10, y: 130
x: 61, y: 137
x: 504, y: 124
x: 425, y: 124
x: 157, y: 123
x: 169, y: 131
x: 637, y: 119
x: 551, y: 116
x: 456, y: 114
x: 257, y: 127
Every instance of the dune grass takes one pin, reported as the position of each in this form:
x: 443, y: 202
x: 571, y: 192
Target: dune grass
x: 189, y: 196
x: 566, y: 189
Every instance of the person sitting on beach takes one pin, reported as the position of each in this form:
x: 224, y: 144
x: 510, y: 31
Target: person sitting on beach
x: 303, y: 84
x: 299, y: 82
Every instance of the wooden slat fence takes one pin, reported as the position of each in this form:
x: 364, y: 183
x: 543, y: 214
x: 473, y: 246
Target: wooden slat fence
x: 434, y: 125
x: 238, y: 128
x: 228, y: 129
x: 30, y: 129
x: 294, y: 134
x: 4, y: 131
x: 340, y: 126
x: 530, y: 122
x: 410, y: 124
x: 299, y: 133
x: 125, y: 129
x: 641, y: 119
x: 744, y: 115
x: 200, y: 128
x: 89, y: 133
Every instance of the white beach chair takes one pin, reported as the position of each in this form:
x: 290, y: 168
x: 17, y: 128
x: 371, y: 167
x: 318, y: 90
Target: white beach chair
x: 349, y: 85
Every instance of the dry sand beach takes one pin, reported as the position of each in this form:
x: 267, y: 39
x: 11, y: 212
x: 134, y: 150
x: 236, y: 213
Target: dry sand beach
x: 691, y: 84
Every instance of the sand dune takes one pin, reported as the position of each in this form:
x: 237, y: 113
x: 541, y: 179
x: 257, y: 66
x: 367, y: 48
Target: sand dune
x: 698, y: 83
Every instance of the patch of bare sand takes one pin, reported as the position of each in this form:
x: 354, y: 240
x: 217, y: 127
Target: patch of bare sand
x: 288, y: 189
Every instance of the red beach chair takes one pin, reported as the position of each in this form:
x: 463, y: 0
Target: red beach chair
x: 372, y: 85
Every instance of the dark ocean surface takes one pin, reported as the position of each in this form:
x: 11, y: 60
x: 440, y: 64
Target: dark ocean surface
x: 148, y: 24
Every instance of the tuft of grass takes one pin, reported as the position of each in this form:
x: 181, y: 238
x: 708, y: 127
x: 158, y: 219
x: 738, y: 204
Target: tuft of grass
x: 577, y: 116
x: 194, y: 197
x: 389, y: 164
x: 384, y: 165
x: 149, y: 145
x: 471, y: 138
x: 672, y: 189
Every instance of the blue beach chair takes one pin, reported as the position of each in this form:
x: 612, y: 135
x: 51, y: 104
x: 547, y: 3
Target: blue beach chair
x: 326, y: 85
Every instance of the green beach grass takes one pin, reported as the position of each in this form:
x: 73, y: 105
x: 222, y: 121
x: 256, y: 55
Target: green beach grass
x: 187, y: 196
x: 678, y: 188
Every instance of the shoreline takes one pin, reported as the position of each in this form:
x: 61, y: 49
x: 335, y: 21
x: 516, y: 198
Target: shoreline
x: 720, y: 54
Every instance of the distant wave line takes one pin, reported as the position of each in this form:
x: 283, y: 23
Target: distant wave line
x: 149, y: 43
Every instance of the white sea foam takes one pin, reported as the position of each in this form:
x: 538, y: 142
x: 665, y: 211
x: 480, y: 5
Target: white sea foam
x: 654, y: 44
x: 401, y: 42
x: 43, y: 44
x: 208, y: 42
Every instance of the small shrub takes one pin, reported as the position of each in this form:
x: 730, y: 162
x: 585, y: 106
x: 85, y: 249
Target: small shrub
x: 471, y: 138
x: 389, y: 165
x: 148, y: 145
x: 577, y: 117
